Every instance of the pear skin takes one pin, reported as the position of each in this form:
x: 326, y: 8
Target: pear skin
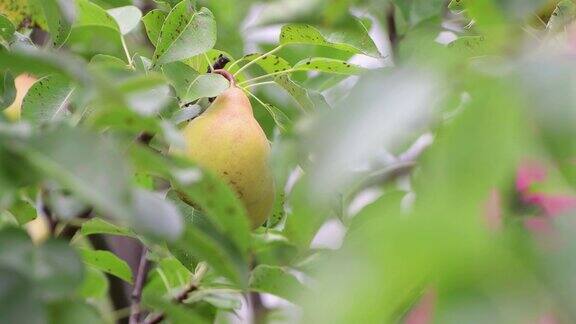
x: 228, y: 140
x: 22, y: 82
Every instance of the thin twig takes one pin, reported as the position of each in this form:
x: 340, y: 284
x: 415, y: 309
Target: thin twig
x: 268, y: 75
x: 136, y: 296
x: 259, y: 83
x: 259, y: 311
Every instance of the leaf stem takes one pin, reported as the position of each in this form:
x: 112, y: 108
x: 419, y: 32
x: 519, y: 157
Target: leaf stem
x: 265, y: 107
x: 126, y: 51
x: 274, y: 50
x: 268, y: 75
x: 259, y: 83
x: 209, y: 63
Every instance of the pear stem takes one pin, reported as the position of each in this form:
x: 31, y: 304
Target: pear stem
x: 227, y: 75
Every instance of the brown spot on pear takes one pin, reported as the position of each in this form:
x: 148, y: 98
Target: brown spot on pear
x: 22, y: 82
x: 228, y: 140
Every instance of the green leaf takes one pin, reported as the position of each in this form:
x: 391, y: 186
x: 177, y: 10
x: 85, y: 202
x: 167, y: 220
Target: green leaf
x: 204, y: 241
x: 156, y: 216
x: 180, y: 76
x: 200, y: 62
x: 469, y: 45
x: 202, y: 189
x: 146, y: 94
x: 127, y: 18
x: 107, y: 262
x: 153, y: 22
x: 24, y: 210
x: 328, y: 65
x: 7, y: 90
x: 44, y: 62
x: 205, y: 86
x: 354, y: 40
x: 18, y: 301
x: 58, y: 24
x: 100, y: 226
x: 276, y: 281
x: 298, y: 93
x: 420, y: 10
x: 73, y: 312
x: 7, y: 29
x: 53, y: 267
x: 269, y: 63
x: 85, y: 163
x: 95, y: 284
x: 90, y: 14
x: 58, y: 269
x: 47, y: 100
x: 185, y: 33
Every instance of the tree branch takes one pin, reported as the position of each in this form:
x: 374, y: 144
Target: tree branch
x: 143, y: 268
x: 258, y: 309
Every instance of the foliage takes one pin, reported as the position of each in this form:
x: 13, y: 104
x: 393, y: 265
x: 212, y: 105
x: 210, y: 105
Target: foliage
x: 423, y: 156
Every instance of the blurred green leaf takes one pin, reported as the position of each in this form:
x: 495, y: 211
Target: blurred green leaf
x: 54, y: 267
x: 276, y: 281
x: 47, y: 100
x: 73, y: 312
x: 127, y: 18
x: 185, y: 33
x: 7, y: 29
x: 469, y: 45
x: 23, y: 210
x: 85, y: 163
x: 107, y: 262
x: 156, y: 216
x: 7, y: 90
x: 205, y: 241
x: 18, y: 303
x: 204, y: 190
x: 95, y: 284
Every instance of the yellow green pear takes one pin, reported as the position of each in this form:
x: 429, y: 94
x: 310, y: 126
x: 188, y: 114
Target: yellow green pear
x: 228, y: 140
x: 22, y: 82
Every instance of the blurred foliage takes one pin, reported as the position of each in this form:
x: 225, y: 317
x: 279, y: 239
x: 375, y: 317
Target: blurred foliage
x: 423, y: 154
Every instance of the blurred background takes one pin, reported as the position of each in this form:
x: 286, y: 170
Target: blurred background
x: 424, y: 166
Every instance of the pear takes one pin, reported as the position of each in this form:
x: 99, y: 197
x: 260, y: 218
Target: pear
x: 228, y: 140
x: 22, y: 82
